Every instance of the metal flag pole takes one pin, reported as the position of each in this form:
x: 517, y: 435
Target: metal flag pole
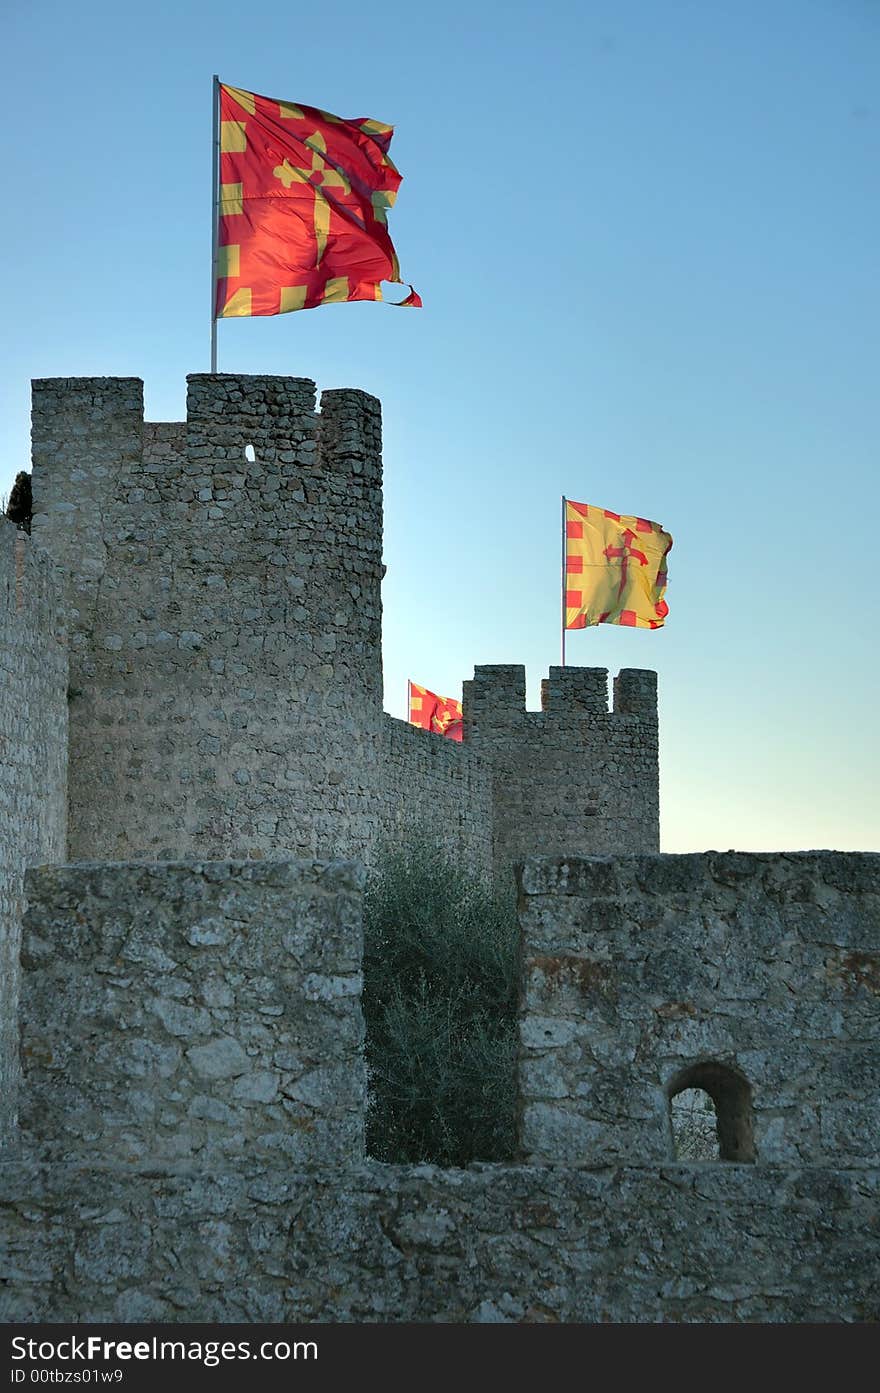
x: 215, y: 216
x: 409, y: 699
x: 563, y: 580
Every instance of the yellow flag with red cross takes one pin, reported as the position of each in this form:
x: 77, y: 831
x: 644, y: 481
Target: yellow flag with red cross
x: 615, y: 568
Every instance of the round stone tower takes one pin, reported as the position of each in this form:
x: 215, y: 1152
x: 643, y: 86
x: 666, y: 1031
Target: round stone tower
x: 223, y: 594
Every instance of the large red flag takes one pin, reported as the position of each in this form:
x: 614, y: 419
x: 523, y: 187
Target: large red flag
x: 443, y: 715
x: 302, y: 209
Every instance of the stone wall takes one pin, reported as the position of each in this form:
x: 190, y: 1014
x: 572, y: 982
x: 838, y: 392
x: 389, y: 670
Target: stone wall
x: 573, y: 778
x: 223, y: 586
x: 755, y: 977
x: 194, y: 1013
x: 194, y: 1098
x: 33, y: 760
x: 394, y: 1243
x: 438, y: 788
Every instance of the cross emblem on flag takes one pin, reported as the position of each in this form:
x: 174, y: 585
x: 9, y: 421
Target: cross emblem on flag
x: 320, y: 176
x: 626, y: 552
x: 608, y: 578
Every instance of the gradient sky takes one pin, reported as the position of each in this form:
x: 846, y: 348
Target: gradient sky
x: 646, y: 236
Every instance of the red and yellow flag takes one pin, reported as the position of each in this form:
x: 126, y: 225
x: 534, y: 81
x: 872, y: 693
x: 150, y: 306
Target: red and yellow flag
x: 303, y: 206
x: 615, y: 569
x: 432, y: 712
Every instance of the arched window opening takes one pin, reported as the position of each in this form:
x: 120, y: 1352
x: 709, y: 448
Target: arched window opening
x: 250, y: 454
x: 729, y: 1098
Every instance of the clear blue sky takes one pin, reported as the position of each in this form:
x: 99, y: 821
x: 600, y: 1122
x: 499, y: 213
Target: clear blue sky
x: 646, y: 235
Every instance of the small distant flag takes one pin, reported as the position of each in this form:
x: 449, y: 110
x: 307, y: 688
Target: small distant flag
x: 441, y: 714
x: 301, y: 209
x: 615, y: 569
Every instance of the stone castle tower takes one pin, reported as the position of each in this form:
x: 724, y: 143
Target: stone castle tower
x: 223, y: 583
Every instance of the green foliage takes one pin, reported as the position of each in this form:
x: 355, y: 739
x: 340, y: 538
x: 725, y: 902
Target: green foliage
x: 440, y: 998
x: 18, y: 507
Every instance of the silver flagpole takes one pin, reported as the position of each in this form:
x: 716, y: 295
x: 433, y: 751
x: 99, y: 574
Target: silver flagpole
x: 215, y: 217
x: 563, y: 580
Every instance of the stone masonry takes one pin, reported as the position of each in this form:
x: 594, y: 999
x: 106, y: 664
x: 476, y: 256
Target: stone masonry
x: 754, y: 977
x: 178, y: 1013
x: 193, y: 1139
x: 33, y: 760
x: 191, y: 719
x: 572, y: 774
x: 222, y: 579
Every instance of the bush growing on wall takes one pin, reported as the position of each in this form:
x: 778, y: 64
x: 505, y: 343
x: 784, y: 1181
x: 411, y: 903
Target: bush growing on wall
x: 440, y: 999
x: 18, y: 507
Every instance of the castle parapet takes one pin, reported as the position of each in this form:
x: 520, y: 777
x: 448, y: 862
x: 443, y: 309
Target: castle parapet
x: 573, y: 778
x: 187, y: 1012
x: 635, y: 693
x: 495, y: 697
x: 570, y: 690
x: 753, y: 977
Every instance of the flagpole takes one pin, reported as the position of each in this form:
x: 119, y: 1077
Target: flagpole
x: 408, y: 698
x: 215, y: 218
x: 563, y: 580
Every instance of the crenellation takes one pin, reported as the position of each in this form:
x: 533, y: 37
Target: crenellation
x: 572, y: 690
x: 495, y: 697
x: 572, y: 774
x: 635, y: 693
x: 223, y: 585
x: 234, y: 619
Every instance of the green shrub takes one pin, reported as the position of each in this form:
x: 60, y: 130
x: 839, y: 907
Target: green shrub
x: 440, y: 998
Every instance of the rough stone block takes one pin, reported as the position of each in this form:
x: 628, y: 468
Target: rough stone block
x: 194, y: 1012
x: 569, y: 690
x: 752, y: 977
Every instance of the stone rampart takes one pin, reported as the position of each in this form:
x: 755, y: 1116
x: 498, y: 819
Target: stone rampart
x: 192, y: 1144
x: 439, y: 789
x: 752, y: 976
x: 403, y: 1243
x: 33, y: 760
x: 194, y: 1014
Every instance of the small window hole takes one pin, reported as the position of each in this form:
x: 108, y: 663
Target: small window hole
x: 250, y: 454
x: 710, y: 1113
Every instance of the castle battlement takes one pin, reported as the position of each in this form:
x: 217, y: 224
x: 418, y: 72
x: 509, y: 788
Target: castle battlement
x: 221, y: 583
x: 573, y: 773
